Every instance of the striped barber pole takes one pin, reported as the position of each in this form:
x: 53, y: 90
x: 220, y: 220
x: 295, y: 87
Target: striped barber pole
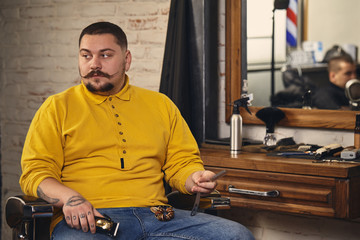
x: 291, y: 23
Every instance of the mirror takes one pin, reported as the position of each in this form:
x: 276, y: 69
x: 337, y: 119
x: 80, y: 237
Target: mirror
x: 236, y: 70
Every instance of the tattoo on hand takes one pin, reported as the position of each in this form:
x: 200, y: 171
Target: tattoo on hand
x: 75, y: 201
x: 42, y: 195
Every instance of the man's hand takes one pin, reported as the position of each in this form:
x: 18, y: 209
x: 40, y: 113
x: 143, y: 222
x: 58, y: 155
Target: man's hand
x: 79, y: 214
x: 200, y: 181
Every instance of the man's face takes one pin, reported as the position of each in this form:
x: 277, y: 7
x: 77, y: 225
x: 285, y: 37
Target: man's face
x: 102, y: 63
x: 347, y: 72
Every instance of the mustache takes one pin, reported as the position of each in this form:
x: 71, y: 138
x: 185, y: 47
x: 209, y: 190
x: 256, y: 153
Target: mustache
x: 97, y: 73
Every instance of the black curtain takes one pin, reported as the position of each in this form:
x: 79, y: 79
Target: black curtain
x: 181, y: 77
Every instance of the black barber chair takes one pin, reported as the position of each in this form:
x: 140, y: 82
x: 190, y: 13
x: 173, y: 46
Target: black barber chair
x: 29, y: 217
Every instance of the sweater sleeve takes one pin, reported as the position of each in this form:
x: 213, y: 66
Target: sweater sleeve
x: 183, y: 156
x: 42, y: 155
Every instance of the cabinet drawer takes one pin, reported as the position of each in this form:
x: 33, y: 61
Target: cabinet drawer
x: 302, y: 194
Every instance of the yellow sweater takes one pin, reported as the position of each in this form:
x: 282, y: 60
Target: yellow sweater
x: 114, y: 150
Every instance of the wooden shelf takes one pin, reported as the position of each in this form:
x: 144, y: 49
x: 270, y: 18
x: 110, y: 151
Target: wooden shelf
x: 319, y: 189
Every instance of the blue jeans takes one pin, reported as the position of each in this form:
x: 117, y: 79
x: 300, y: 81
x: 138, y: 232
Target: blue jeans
x: 141, y: 224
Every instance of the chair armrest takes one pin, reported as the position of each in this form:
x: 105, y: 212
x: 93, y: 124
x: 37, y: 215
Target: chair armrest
x: 213, y: 201
x: 24, y: 208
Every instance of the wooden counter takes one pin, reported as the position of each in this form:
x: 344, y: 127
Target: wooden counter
x: 303, y: 187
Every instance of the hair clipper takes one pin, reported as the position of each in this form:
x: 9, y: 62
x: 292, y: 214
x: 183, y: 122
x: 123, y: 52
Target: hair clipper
x: 106, y: 225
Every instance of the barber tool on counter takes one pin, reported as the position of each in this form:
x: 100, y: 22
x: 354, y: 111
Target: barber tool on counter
x: 236, y: 124
x: 350, y: 153
x: 334, y: 153
x: 270, y: 116
x: 328, y: 150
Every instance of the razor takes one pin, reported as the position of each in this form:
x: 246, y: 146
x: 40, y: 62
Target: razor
x: 197, y: 199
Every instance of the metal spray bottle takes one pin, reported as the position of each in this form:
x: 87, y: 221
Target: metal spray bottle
x: 236, y: 125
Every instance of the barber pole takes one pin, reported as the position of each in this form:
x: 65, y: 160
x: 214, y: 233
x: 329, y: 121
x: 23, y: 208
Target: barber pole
x: 291, y: 23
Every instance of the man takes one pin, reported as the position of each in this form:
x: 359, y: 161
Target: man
x: 104, y: 147
x: 332, y: 96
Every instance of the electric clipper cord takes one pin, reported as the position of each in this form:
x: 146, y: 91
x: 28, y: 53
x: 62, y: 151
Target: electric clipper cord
x: 106, y: 225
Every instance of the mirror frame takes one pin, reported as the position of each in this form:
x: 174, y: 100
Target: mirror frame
x: 235, y: 61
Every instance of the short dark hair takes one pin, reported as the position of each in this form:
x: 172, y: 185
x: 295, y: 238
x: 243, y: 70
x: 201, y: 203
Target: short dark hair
x: 334, y: 63
x: 103, y: 28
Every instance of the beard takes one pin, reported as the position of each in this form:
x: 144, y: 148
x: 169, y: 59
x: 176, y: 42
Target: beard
x: 102, y: 89
x: 106, y: 88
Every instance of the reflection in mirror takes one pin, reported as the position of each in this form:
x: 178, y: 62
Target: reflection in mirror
x: 301, y: 68
x: 236, y: 58
x: 352, y: 91
x: 331, y: 95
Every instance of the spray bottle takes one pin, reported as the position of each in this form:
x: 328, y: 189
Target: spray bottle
x: 236, y: 125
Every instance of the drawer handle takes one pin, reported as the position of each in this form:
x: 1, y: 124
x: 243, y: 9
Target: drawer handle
x: 273, y: 193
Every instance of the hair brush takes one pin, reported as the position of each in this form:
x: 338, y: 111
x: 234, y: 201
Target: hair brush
x: 270, y: 116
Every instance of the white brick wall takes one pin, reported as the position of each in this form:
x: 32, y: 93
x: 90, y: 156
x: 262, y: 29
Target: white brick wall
x: 38, y: 57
